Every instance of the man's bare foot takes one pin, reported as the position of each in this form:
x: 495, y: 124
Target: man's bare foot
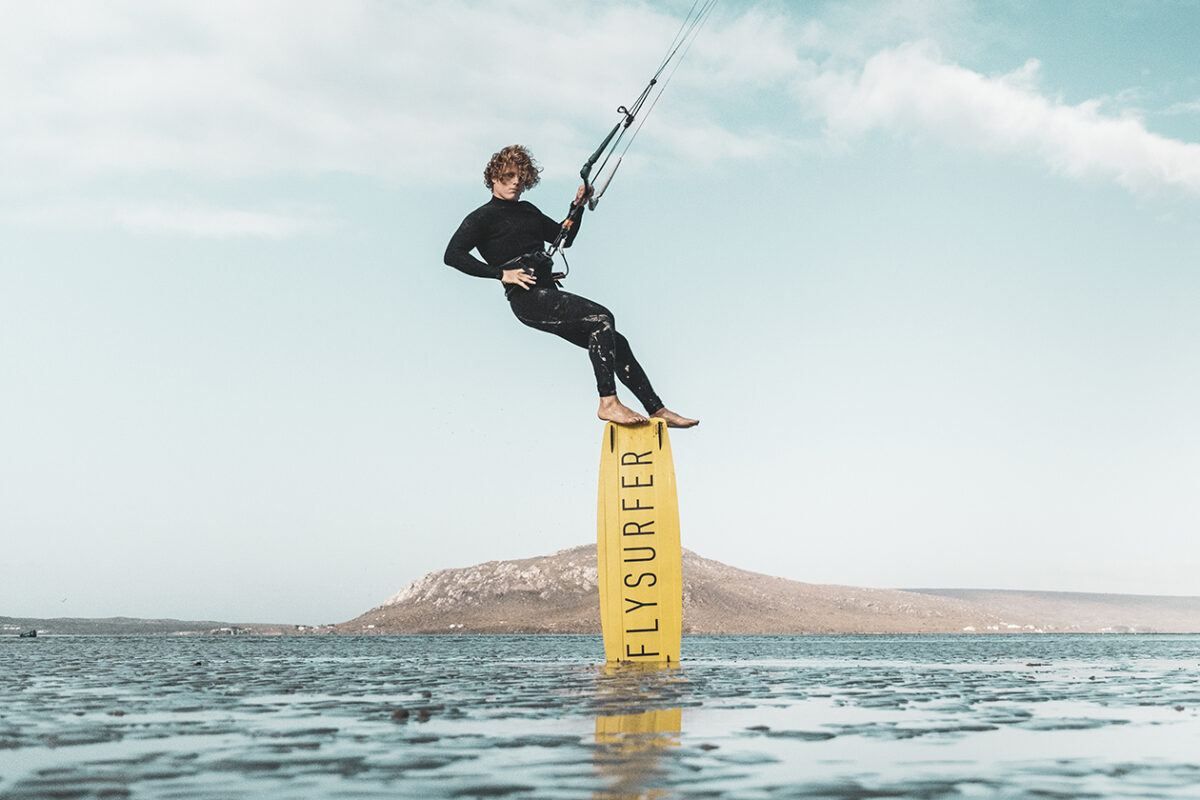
x: 674, y: 420
x: 613, y: 410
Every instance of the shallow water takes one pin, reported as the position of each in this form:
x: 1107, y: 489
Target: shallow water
x: 536, y: 716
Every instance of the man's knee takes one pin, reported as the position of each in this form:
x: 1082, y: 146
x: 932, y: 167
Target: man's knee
x: 602, y: 322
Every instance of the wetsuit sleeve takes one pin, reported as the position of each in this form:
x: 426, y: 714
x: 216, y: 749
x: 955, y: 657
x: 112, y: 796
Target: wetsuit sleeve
x: 458, y: 252
x: 550, y: 228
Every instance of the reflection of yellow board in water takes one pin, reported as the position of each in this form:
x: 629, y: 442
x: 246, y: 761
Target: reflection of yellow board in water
x: 668, y: 720
x: 637, y: 546
x: 628, y: 751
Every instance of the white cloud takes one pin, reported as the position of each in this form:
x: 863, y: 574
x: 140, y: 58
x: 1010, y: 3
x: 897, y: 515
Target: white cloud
x: 196, y: 95
x: 200, y: 95
x: 911, y: 89
x: 1192, y: 107
x: 231, y: 89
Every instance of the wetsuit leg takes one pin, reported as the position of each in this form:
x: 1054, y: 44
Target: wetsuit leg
x: 634, y: 377
x: 589, y: 325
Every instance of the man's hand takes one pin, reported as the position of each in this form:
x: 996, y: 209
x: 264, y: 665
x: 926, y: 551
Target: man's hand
x: 582, y: 195
x: 518, y: 277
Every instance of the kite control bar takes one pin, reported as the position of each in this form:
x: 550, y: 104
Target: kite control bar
x: 592, y: 193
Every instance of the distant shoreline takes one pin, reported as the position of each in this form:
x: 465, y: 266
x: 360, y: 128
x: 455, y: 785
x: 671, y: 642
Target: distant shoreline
x: 47, y: 631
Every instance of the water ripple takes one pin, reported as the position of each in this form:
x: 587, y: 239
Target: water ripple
x: 511, y: 716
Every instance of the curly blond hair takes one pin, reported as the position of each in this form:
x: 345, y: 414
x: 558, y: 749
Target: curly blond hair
x: 514, y: 158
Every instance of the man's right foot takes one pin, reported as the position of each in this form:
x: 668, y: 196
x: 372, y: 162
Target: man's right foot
x: 674, y: 420
x: 613, y: 410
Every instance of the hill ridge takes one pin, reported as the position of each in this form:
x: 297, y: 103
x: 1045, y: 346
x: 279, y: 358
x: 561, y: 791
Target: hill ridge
x: 556, y: 593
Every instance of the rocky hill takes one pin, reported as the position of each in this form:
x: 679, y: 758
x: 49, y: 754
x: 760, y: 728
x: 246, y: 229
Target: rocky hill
x: 558, y: 594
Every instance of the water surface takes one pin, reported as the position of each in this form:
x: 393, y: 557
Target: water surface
x: 536, y: 716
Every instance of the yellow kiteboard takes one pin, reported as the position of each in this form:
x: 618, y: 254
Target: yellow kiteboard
x: 637, y: 545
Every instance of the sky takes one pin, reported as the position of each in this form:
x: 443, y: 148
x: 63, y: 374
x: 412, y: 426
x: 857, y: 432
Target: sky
x: 926, y: 271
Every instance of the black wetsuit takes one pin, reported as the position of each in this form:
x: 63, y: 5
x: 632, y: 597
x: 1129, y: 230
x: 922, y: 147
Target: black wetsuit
x: 504, y: 230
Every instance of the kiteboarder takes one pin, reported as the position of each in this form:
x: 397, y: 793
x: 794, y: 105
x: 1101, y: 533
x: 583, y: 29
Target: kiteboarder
x: 510, y: 234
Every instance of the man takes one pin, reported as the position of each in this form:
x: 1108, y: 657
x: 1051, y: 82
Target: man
x: 511, y: 236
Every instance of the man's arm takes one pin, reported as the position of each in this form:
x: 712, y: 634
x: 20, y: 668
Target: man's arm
x: 574, y: 217
x: 458, y: 252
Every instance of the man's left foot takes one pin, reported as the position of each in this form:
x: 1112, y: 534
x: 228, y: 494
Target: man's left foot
x: 674, y: 420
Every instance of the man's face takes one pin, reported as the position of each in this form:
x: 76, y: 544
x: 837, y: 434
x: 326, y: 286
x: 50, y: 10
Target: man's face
x: 507, y: 186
